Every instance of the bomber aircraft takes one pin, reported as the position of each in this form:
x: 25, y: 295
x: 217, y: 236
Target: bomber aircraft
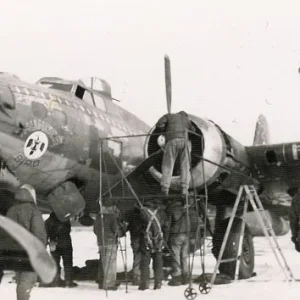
x: 49, y: 138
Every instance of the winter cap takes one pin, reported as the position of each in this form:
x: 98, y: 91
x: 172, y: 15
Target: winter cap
x: 31, y: 191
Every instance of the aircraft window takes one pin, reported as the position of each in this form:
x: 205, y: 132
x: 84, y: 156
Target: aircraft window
x: 271, y: 156
x: 79, y: 92
x: 99, y: 102
x: 87, y: 97
x: 57, y: 86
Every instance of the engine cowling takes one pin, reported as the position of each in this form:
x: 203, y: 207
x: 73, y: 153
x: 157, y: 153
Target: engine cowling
x: 221, y: 154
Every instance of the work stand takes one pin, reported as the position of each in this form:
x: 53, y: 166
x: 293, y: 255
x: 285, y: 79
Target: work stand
x: 138, y: 187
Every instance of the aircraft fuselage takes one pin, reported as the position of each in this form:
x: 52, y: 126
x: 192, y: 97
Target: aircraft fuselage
x: 49, y: 136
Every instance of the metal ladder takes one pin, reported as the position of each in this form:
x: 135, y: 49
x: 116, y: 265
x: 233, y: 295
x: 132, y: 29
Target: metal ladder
x: 250, y: 194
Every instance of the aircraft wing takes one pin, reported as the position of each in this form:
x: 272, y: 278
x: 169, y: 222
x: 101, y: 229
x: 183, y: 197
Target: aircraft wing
x: 139, y: 180
x: 41, y: 261
x: 277, y: 168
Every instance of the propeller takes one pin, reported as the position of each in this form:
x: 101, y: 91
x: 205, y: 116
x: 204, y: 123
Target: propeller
x: 168, y: 82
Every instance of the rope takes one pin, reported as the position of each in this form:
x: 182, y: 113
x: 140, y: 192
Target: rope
x: 153, y: 217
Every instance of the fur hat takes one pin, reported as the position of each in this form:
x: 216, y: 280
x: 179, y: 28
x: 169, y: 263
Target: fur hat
x: 31, y: 191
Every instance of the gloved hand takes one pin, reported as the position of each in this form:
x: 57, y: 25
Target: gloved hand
x: 52, y: 246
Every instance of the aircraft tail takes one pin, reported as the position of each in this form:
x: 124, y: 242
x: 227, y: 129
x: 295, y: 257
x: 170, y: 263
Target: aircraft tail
x: 262, y: 132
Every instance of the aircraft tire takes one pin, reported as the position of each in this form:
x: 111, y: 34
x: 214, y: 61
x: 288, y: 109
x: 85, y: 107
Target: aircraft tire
x: 247, y: 259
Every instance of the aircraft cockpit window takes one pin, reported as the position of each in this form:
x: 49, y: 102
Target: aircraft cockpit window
x: 84, y: 95
x: 99, y: 102
x: 79, y: 92
x: 57, y: 86
x: 271, y: 157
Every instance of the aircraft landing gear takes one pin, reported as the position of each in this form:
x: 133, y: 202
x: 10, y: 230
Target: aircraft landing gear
x: 247, y: 257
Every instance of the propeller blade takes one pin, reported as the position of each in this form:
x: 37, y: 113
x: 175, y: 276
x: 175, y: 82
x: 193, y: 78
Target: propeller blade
x: 168, y: 82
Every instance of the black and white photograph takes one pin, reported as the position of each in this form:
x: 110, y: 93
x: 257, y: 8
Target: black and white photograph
x: 149, y: 149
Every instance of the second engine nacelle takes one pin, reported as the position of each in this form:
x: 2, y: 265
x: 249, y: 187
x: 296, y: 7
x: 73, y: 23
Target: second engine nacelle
x: 222, y: 156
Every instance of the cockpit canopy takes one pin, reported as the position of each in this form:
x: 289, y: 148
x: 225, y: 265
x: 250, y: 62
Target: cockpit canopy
x: 78, y: 87
x: 57, y: 84
x: 94, y: 95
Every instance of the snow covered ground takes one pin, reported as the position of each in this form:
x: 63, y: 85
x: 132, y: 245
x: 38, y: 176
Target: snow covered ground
x: 268, y: 284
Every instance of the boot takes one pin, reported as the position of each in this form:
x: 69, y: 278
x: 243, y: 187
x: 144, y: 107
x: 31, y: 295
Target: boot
x: 71, y: 284
x: 112, y: 288
x: 144, y: 286
x: 135, y: 280
x: 184, y: 279
x: 175, y: 281
x: 157, y: 285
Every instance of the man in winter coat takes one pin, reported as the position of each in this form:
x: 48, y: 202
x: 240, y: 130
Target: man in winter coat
x: 153, y: 232
x: 60, y: 243
x: 112, y: 228
x: 179, y: 242
x: 294, y: 216
x: 176, y: 127
x: 135, y: 227
x: 25, y: 213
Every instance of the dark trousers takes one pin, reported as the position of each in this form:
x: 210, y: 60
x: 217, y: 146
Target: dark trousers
x: 179, y: 245
x: 157, y: 265
x: 135, y: 245
x: 67, y: 257
x: 25, y: 283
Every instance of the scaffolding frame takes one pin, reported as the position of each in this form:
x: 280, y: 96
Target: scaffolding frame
x: 189, y: 292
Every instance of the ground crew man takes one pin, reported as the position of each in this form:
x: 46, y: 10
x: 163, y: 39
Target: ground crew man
x: 113, y: 228
x: 178, y: 242
x: 175, y: 128
x: 153, y: 232
x: 294, y: 216
x: 25, y: 213
x: 60, y: 244
x: 135, y: 227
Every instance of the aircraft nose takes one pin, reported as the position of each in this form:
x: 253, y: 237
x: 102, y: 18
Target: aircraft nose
x: 7, y: 104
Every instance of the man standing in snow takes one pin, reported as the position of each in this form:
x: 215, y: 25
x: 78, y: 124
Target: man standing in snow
x: 107, y: 238
x: 59, y: 235
x: 25, y: 213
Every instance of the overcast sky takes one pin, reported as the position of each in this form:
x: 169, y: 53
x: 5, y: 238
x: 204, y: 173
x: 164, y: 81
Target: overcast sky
x: 230, y: 60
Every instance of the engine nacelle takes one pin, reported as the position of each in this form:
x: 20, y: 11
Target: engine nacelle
x: 221, y: 154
